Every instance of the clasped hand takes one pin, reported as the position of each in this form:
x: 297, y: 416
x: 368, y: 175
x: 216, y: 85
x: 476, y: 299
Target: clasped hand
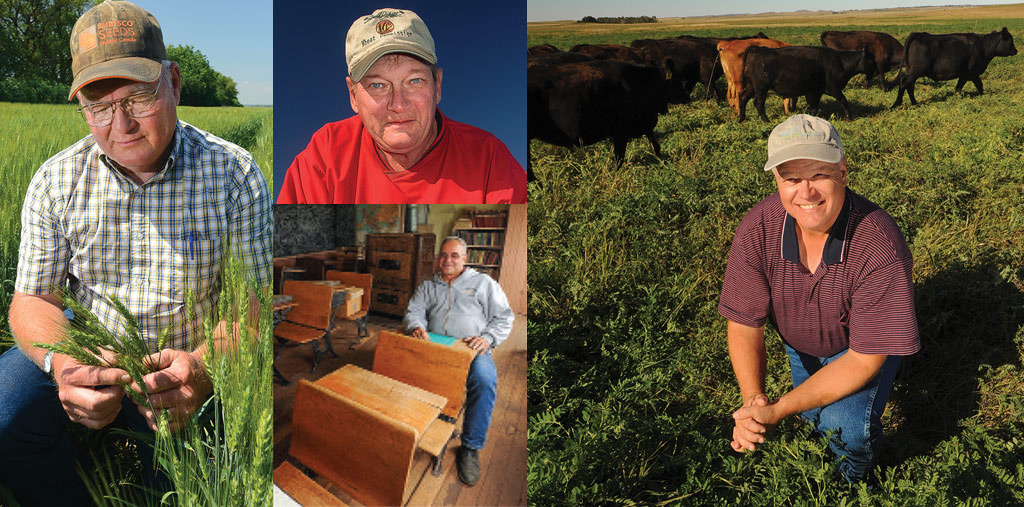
x: 178, y: 385
x: 753, y: 421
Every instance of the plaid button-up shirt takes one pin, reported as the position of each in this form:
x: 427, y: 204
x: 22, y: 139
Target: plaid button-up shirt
x: 85, y: 223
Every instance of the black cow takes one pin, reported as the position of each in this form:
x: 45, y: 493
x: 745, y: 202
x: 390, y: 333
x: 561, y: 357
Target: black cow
x: 684, y: 54
x: 886, y: 50
x: 542, y: 49
x: 556, y: 59
x: 577, y: 104
x: 800, y: 70
x: 609, y: 52
x: 963, y: 56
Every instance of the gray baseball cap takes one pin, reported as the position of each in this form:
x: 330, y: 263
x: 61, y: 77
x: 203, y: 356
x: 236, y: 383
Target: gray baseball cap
x: 383, y: 32
x: 803, y: 136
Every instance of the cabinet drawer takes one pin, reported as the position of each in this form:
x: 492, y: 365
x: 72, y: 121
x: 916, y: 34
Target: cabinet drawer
x: 390, y: 267
x: 391, y: 302
x: 391, y: 242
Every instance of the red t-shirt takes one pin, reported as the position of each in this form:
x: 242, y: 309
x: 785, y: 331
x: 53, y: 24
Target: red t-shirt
x: 465, y: 165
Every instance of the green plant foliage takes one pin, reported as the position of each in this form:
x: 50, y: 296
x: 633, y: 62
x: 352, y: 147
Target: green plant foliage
x: 630, y: 389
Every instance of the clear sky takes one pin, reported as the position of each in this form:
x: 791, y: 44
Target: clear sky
x: 237, y: 38
x: 549, y: 10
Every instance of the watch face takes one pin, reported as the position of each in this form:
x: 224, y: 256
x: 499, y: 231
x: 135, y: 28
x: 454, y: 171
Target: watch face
x: 48, y: 361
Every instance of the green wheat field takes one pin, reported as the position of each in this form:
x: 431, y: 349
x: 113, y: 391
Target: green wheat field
x: 224, y: 457
x: 630, y: 388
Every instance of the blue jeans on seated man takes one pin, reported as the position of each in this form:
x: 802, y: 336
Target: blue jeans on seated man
x: 481, y: 390
x: 856, y: 419
x: 38, y: 458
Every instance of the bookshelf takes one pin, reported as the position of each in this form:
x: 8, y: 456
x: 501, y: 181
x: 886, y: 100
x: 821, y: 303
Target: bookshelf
x: 484, y: 234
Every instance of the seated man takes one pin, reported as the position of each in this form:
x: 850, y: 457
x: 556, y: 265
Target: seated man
x: 832, y: 272
x: 467, y: 304
x: 140, y: 209
x: 399, y: 148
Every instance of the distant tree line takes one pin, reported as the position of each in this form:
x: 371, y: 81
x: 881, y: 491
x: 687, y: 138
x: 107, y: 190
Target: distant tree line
x: 35, y: 57
x: 620, y: 19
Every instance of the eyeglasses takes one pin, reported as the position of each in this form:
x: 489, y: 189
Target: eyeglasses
x: 453, y: 256
x: 138, y: 105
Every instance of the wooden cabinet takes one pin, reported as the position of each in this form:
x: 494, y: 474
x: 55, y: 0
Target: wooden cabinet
x: 398, y: 262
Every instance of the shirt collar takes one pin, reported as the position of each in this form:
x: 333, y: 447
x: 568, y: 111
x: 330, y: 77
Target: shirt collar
x: 835, y: 244
x: 168, y: 171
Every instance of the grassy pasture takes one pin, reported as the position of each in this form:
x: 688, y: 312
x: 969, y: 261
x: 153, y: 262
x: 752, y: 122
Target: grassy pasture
x: 630, y: 388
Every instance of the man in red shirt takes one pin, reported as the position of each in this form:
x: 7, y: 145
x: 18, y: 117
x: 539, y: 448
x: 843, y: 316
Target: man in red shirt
x: 832, y: 273
x: 399, y: 148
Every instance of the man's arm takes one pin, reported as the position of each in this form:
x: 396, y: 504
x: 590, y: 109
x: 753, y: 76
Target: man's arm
x: 499, y: 325
x: 747, y: 353
x: 416, y: 312
x: 90, y: 395
x: 832, y: 382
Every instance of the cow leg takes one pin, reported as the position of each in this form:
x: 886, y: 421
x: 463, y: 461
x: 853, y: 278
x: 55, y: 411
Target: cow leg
x: 960, y: 84
x: 977, y: 84
x: 654, y: 143
x: 903, y: 86
x: 846, y: 105
x: 759, y: 99
x: 620, y: 149
x: 910, y: 93
x: 743, y: 99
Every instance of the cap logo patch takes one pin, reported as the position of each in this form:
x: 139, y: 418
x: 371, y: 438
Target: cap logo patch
x: 382, y: 15
x: 87, y: 39
x: 385, y: 27
x: 116, y: 30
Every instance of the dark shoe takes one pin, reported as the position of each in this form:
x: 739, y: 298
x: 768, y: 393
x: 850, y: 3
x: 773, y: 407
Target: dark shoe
x: 468, y: 462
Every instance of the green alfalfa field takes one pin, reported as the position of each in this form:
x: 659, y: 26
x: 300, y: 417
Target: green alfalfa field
x: 630, y: 386
x: 230, y: 464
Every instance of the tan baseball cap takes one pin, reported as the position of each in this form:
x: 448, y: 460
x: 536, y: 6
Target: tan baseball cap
x: 116, y: 39
x: 803, y: 136
x: 383, y: 32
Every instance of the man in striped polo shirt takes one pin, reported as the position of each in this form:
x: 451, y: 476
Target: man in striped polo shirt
x: 142, y: 209
x: 832, y: 273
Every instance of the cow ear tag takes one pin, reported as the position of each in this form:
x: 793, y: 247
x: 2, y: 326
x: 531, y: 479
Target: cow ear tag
x: 668, y: 75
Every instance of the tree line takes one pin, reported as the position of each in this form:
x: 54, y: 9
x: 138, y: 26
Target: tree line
x: 620, y: 19
x: 35, y: 57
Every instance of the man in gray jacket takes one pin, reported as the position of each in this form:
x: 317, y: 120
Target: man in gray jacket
x: 470, y: 305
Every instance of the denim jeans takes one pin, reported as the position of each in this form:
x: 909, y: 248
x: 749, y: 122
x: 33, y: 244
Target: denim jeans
x: 37, y: 455
x: 481, y: 390
x: 856, y: 420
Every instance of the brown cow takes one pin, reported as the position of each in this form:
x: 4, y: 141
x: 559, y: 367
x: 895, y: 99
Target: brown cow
x: 887, y: 51
x: 731, y: 54
x: 542, y: 49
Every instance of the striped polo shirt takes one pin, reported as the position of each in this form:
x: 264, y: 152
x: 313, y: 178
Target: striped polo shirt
x: 860, y: 297
x: 86, y: 224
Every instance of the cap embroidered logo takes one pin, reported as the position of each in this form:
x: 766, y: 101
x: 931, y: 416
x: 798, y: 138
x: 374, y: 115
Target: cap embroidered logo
x: 87, y: 39
x: 385, y: 27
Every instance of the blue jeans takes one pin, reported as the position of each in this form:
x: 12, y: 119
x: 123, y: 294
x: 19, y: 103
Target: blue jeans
x: 481, y: 390
x: 38, y: 458
x: 856, y: 420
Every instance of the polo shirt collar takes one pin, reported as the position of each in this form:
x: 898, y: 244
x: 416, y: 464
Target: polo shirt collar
x: 835, y: 243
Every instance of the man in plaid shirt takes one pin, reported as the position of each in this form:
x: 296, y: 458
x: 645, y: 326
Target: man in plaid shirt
x: 141, y: 209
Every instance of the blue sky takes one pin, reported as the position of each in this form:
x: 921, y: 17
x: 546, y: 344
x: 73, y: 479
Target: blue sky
x: 237, y: 38
x: 546, y: 10
x: 481, y: 49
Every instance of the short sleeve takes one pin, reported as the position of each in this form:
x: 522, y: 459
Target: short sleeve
x: 882, y: 316
x: 507, y: 179
x: 746, y: 296
x: 45, y: 252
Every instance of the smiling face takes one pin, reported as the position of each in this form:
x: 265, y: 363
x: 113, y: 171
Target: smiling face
x: 140, y: 145
x: 396, y: 100
x: 452, y: 260
x: 812, y: 192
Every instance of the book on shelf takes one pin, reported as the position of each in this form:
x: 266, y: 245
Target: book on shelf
x: 490, y: 219
x: 482, y: 238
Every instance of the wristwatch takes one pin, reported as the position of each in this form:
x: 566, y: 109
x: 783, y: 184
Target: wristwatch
x: 48, y: 362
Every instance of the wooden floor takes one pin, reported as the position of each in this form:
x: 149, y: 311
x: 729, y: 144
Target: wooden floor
x: 503, y: 459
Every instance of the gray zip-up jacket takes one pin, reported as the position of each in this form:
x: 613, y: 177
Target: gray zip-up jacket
x: 472, y: 305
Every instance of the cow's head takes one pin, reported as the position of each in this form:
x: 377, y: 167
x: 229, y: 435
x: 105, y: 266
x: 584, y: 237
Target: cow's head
x: 866, y: 63
x: 1005, y: 46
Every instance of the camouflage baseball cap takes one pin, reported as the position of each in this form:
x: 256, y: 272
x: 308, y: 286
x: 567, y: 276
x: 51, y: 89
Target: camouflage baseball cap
x: 116, y: 39
x: 383, y: 32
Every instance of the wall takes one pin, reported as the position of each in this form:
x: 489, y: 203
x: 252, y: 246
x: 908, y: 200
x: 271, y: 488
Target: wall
x: 302, y: 228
